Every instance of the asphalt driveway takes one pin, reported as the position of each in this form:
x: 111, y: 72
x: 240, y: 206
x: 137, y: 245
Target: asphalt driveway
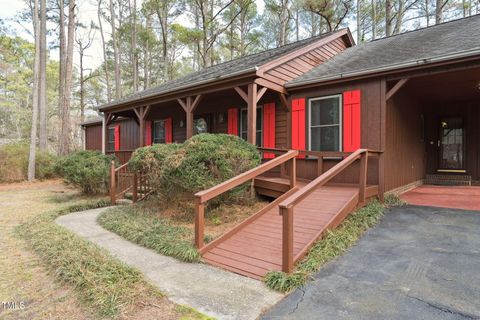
x: 418, y: 263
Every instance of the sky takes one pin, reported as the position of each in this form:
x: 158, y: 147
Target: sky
x: 87, y: 11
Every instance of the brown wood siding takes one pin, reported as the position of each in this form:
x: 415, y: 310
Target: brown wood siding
x: 93, y: 137
x: 299, y: 65
x: 370, y: 127
x: 404, y: 148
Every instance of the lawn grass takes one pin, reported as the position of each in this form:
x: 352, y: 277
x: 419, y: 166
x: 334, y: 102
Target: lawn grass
x: 105, y: 285
x: 332, y: 245
x: 140, y: 225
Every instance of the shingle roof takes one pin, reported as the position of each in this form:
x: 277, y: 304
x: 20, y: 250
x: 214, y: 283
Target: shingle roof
x: 415, y: 47
x: 220, y: 71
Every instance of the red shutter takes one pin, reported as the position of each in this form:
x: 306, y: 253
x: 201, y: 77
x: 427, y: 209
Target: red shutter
x: 116, y: 134
x: 168, y: 130
x: 351, y: 120
x: 298, y: 124
x: 148, y: 133
x: 233, y: 121
x: 269, y: 128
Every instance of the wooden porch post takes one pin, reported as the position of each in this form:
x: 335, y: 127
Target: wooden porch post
x: 189, y: 106
x: 142, y: 113
x: 252, y: 113
x: 189, y: 123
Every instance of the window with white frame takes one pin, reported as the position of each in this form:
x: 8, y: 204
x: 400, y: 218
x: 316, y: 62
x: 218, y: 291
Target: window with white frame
x: 159, y: 131
x: 244, y: 125
x: 325, y: 123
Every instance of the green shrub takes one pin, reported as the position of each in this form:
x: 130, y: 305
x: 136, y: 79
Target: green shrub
x: 203, y: 161
x: 88, y: 170
x: 206, y: 160
x: 14, y: 163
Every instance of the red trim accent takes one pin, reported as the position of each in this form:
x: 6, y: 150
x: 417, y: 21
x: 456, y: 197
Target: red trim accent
x: 269, y: 128
x: 298, y: 124
x: 351, y: 120
x: 148, y: 133
x: 168, y: 130
x: 116, y: 134
x: 233, y: 121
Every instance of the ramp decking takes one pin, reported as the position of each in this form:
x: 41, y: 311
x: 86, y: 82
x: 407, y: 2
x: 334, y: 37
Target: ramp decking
x: 254, y: 247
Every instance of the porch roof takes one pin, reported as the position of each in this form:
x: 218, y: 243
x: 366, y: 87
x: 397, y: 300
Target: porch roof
x: 227, y: 70
x: 440, y: 43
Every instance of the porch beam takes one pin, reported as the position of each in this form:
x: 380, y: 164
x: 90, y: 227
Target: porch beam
x: 284, y: 101
x: 183, y: 104
x: 395, y: 88
x: 270, y: 85
x: 260, y: 93
x: 252, y: 113
x: 242, y: 94
x: 195, y: 103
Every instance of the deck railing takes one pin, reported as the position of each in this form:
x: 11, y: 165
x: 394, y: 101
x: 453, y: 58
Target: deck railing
x: 288, y: 205
x: 123, y: 180
x: 286, y: 156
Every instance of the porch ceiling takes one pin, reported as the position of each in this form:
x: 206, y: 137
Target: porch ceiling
x: 454, y: 86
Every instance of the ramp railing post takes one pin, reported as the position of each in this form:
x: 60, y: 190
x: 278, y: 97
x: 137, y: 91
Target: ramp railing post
x: 112, y: 183
x: 287, y: 239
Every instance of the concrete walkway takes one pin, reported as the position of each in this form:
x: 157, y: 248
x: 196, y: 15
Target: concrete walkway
x: 212, y: 291
x: 418, y: 263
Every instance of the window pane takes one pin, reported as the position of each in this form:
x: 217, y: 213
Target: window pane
x: 200, y: 126
x: 325, y: 111
x: 325, y: 138
x: 159, y: 132
x: 259, y: 139
x: 259, y: 119
x: 243, y: 125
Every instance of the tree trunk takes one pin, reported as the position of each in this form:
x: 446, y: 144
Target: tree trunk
x: 146, y: 56
x: 116, y: 55
x: 359, y: 23
x: 400, y: 14
x: 105, y: 63
x: 374, y: 20
x: 61, y: 71
x: 439, y: 11
x: 134, y: 47
x: 36, y: 67
x: 65, y: 125
x: 427, y: 13
x: 388, y: 18
x: 42, y: 91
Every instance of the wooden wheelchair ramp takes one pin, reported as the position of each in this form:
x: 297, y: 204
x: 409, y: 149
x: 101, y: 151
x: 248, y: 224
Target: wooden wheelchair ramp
x: 254, y: 247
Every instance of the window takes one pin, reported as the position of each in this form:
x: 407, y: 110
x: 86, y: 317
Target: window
x: 111, y: 139
x: 200, y: 125
x: 324, y: 124
x: 159, y: 131
x: 243, y: 125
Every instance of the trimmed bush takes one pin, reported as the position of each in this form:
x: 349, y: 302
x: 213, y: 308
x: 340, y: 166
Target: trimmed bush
x: 88, y: 170
x: 206, y: 160
x: 203, y: 161
x: 14, y: 163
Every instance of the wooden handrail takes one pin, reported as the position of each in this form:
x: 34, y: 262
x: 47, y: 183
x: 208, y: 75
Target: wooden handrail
x: 286, y: 207
x: 121, y: 167
x: 203, y: 196
x: 322, y: 179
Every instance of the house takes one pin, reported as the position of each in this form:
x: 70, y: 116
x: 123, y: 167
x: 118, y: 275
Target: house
x: 412, y: 100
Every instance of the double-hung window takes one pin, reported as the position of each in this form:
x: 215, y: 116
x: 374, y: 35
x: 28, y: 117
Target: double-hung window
x: 111, y: 139
x: 325, y: 123
x: 244, y: 125
x: 159, y: 131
